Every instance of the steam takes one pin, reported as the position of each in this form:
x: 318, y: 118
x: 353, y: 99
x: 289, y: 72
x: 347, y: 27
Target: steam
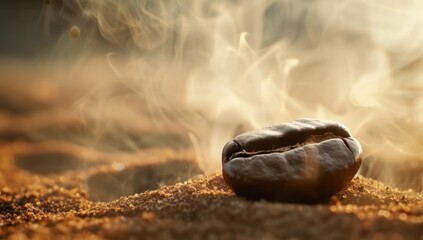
x: 217, y: 68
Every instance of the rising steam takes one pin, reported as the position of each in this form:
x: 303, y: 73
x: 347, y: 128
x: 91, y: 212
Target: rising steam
x: 215, y: 68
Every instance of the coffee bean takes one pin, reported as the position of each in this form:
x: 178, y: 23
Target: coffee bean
x: 304, y: 161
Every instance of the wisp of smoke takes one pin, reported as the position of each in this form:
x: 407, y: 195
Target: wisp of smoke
x: 216, y: 68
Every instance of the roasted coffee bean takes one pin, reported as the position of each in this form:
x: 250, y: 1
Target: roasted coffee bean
x: 304, y: 161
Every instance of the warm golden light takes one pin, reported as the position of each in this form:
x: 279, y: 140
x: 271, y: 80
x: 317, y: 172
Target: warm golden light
x: 214, y: 69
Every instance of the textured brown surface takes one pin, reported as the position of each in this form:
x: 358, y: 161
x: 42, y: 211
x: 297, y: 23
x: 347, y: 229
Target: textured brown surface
x: 56, y: 183
x: 205, y: 208
x: 55, y: 206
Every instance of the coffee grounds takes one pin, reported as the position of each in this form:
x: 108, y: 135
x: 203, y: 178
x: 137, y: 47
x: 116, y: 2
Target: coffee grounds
x: 205, y: 208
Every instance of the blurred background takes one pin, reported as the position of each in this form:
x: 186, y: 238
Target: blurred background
x: 123, y: 76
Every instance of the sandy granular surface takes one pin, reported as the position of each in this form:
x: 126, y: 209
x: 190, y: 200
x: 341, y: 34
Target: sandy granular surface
x: 206, y: 209
x: 60, y: 178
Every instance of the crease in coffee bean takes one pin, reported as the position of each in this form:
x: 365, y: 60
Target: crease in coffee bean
x: 313, y: 139
x: 238, y: 144
x: 355, y: 151
x: 239, y: 147
x: 347, y: 144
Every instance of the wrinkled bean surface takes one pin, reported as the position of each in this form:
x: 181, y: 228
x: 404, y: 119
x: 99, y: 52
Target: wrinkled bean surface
x: 304, y: 161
